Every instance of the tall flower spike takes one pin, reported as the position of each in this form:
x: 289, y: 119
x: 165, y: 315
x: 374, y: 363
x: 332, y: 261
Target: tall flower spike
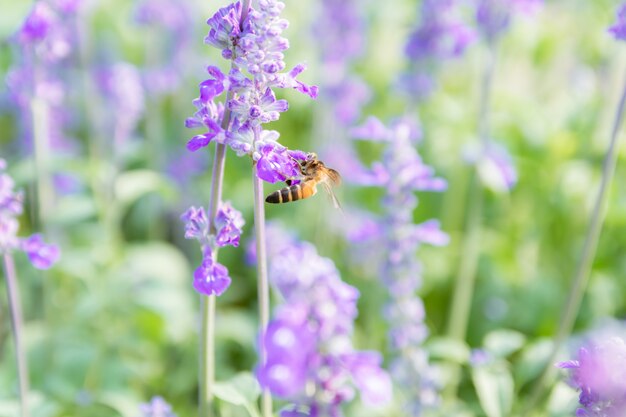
x: 401, y: 173
x: 494, y: 16
x: 256, y: 53
x: 440, y: 35
x: 310, y: 358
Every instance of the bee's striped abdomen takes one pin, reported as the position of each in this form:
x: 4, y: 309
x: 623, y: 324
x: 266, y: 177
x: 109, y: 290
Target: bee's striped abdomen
x: 292, y: 193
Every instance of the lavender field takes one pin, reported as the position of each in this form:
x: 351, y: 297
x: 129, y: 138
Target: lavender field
x: 316, y: 208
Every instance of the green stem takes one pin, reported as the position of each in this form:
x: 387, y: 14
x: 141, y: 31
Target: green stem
x: 581, y: 277
x: 41, y: 135
x: 207, y: 338
x: 464, y: 289
x: 461, y: 304
x: 262, y: 279
x: 15, y: 310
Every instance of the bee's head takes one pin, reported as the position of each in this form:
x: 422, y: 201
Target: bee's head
x: 311, y: 156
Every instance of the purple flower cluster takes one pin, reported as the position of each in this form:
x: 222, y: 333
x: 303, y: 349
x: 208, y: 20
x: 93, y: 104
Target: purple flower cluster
x: 157, y: 407
x: 340, y: 34
x: 41, y: 255
x: 401, y: 173
x: 255, y: 48
x: 598, y: 373
x: 441, y: 34
x: 122, y: 87
x: 211, y: 277
x: 173, y: 18
x: 494, y: 16
x: 618, y: 29
x: 310, y: 358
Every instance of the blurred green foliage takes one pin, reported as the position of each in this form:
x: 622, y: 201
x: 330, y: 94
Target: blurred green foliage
x: 115, y: 322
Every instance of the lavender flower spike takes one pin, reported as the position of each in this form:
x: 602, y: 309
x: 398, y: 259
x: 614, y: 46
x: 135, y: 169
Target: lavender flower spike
x: 256, y: 49
x: 310, y: 358
x: 401, y: 173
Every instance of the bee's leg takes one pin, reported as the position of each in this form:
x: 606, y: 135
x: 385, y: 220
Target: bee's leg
x: 288, y: 181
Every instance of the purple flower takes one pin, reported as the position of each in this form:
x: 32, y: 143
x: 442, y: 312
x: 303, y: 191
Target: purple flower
x: 41, y: 255
x: 310, y: 359
x: 196, y: 224
x: 228, y: 223
x: 441, y: 33
x: 157, y: 407
x: 493, y: 16
x: 37, y: 23
x: 340, y: 33
x: 401, y: 173
x: 211, y: 277
x: 495, y: 166
x: 275, y: 163
x: 123, y: 89
x: 618, y: 30
x: 255, y: 48
x: 225, y: 29
x: 599, y: 373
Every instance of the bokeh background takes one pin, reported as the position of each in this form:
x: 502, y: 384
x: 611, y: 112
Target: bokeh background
x: 116, y: 320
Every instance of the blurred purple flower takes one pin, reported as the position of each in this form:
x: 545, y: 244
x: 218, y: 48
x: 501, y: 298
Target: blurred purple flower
x: 340, y: 34
x: 618, y: 29
x: 494, y: 16
x: 157, y: 407
x: 598, y: 373
x: 308, y: 341
x: 440, y: 35
x: 211, y: 277
x: 401, y: 173
x: 495, y: 166
x: 121, y: 85
x: 40, y: 254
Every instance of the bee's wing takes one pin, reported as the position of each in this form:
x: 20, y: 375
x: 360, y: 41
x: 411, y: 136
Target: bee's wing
x: 331, y: 194
x: 333, y: 176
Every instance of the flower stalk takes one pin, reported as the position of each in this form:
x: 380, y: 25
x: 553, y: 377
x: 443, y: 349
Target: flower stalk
x: 466, y: 278
x: 15, y: 310
x: 570, y: 309
x: 262, y: 280
x: 207, y: 336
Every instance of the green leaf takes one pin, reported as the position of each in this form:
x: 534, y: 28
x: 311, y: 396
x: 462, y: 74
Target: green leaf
x: 502, y: 343
x: 131, y: 185
x: 494, y: 386
x: 448, y: 349
x: 532, y: 361
x: 242, y: 390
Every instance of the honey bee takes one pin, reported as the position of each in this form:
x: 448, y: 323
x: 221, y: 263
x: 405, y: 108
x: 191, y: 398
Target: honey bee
x: 313, y: 173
